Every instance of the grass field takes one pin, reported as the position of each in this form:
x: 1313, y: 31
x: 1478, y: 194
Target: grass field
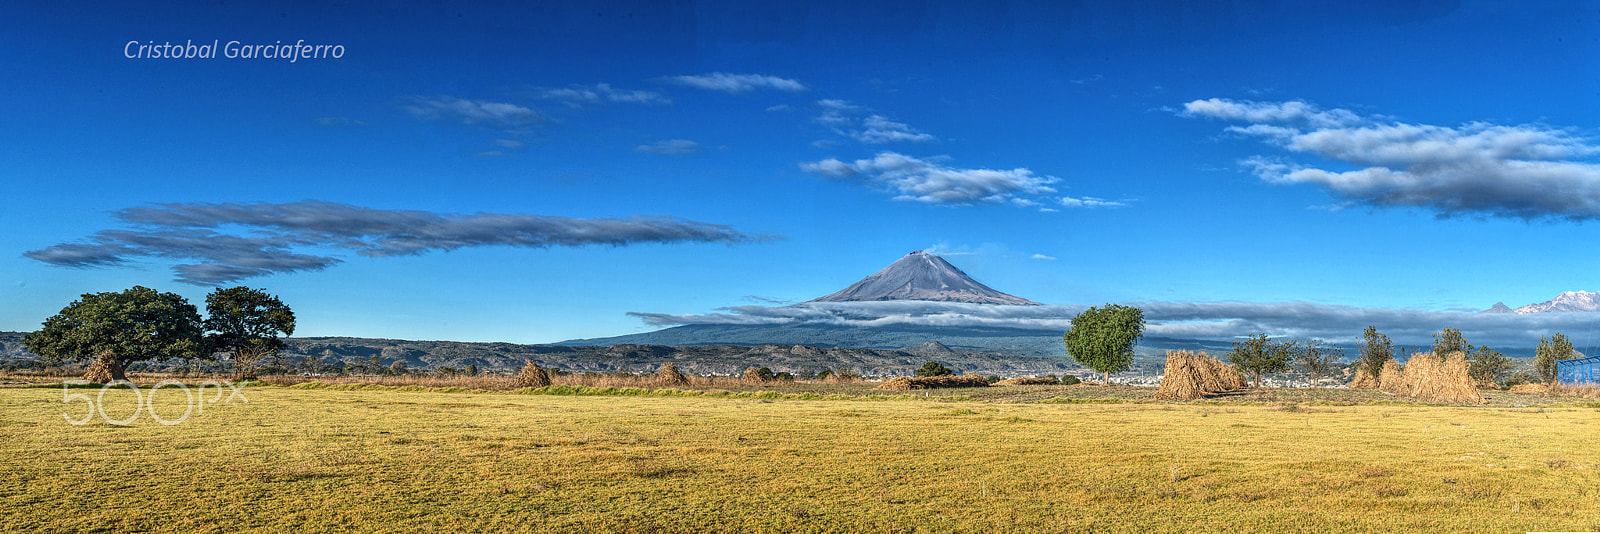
x: 298, y: 458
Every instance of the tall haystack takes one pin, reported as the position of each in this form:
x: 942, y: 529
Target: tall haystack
x: 1193, y: 376
x: 753, y: 375
x: 105, y: 370
x: 1182, y: 380
x: 669, y: 376
x: 532, y: 376
x: 1391, y: 380
x: 1431, y: 379
x: 1364, y: 380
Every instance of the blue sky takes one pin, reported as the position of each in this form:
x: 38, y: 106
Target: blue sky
x: 507, y: 172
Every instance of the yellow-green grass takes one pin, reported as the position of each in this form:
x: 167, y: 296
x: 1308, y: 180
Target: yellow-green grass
x: 389, y: 460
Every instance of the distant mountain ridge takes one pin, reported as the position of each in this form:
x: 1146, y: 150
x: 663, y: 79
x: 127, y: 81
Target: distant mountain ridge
x: 922, y: 276
x: 352, y: 352
x: 1568, y: 301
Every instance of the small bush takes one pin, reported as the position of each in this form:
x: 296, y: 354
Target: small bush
x: 1070, y: 380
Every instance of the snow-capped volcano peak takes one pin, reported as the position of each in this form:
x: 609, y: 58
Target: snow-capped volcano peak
x: 922, y: 276
x: 1568, y: 301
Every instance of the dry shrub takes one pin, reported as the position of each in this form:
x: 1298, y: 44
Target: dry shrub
x: 1530, y: 388
x: 842, y: 376
x: 669, y: 376
x: 532, y: 376
x: 1193, y: 376
x: 1577, y: 390
x: 753, y: 375
x: 1028, y: 381
x: 1391, y: 380
x: 901, y: 383
x: 1428, y: 378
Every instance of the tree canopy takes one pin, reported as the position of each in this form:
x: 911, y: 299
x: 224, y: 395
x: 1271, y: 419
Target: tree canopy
x: 934, y: 369
x: 1317, y: 359
x: 1102, y: 339
x: 246, y: 322
x: 1558, y: 347
x: 1258, y: 355
x: 121, y: 327
x: 1376, y: 349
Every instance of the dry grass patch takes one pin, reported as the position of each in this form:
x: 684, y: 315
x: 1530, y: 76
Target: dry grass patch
x: 337, y: 460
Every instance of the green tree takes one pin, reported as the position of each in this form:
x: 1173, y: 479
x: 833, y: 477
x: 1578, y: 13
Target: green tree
x: 1487, y: 365
x: 1549, y: 351
x: 1102, y: 339
x: 120, y: 328
x: 1258, y: 355
x: 246, y: 322
x: 1376, y: 350
x: 1316, y: 359
x: 934, y: 369
x: 1448, y: 341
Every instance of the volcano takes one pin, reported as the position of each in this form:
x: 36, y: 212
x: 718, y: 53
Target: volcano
x: 922, y: 276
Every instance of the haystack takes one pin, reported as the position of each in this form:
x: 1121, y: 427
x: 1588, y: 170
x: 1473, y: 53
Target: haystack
x: 1193, y: 376
x: 532, y: 376
x: 105, y: 370
x: 752, y: 375
x: 1391, y: 380
x: 899, y: 383
x: 1182, y: 381
x: 1364, y: 380
x: 1029, y: 381
x: 669, y: 376
x: 1428, y: 378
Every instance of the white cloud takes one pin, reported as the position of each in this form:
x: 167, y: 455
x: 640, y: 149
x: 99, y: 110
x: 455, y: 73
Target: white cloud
x: 473, y: 111
x: 1269, y: 112
x: 669, y: 147
x: 580, y: 95
x: 874, y: 129
x: 737, y: 83
x: 1043, y: 257
x: 931, y: 182
x: 1091, y: 202
x: 1524, y: 172
x: 879, y: 129
x: 779, y: 107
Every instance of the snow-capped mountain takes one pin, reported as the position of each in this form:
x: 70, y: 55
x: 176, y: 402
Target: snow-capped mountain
x: 922, y: 276
x: 1570, y: 301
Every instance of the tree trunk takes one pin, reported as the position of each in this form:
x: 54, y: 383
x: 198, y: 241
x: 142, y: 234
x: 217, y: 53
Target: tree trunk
x: 105, y: 369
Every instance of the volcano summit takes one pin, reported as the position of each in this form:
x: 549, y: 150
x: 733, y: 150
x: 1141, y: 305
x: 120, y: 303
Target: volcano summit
x: 922, y: 276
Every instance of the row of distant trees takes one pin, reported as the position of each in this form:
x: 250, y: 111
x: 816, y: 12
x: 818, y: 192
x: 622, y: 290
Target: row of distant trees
x: 1102, y: 339
x: 115, y: 329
